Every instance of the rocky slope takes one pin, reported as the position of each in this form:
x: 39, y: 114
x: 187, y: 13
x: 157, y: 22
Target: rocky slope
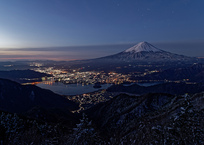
x: 151, y: 119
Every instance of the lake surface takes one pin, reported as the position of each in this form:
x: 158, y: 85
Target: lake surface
x: 70, y: 89
x: 77, y: 89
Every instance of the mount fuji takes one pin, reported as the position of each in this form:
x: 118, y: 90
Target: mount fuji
x: 145, y: 52
x: 143, y: 46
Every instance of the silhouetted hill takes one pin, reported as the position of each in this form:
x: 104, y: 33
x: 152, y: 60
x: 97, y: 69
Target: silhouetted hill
x: 23, y: 76
x: 33, y: 101
x: 171, y: 88
x: 194, y: 73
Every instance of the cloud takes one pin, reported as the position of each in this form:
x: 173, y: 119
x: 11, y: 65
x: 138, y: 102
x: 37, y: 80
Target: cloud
x: 89, y: 52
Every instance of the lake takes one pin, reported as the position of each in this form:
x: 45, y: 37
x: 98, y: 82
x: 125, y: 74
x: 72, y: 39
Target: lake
x: 70, y: 89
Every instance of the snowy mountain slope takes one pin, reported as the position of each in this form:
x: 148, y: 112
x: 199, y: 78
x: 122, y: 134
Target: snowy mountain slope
x: 143, y: 46
x: 145, y: 52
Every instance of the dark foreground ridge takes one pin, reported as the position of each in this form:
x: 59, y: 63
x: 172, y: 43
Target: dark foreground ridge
x: 34, y: 101
x: 45, y: 118
x: 23, y: 76
x: 151, y: 119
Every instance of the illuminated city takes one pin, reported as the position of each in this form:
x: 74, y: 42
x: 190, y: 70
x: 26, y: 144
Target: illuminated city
x: 106, y: 72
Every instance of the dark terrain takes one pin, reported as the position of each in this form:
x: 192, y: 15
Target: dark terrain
x: 34, y: 102
x: 194, y: 73
x: 170, y: 88
x: 151, y: 119
x: 23, y: 76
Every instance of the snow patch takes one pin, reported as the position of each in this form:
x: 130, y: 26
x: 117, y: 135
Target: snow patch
x: 143, y: 46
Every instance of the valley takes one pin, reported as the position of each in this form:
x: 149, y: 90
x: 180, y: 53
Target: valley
x: 127, y: 98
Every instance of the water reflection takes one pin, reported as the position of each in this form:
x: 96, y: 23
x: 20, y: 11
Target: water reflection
x: 69, y: 89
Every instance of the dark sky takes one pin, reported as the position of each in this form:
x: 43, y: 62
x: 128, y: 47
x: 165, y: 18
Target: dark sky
x: 173, y: 25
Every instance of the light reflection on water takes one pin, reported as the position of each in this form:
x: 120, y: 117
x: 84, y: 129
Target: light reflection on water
x: 69, y: 89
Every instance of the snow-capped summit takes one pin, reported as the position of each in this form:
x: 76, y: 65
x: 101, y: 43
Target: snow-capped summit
x: 144, y: 52
x: 143, y: 46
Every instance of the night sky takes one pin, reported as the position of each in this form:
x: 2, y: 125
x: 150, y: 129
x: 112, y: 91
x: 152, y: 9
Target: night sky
x: 81, y: 29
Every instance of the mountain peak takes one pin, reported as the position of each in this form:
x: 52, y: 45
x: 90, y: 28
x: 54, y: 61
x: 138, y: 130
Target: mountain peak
x: 143, y: 46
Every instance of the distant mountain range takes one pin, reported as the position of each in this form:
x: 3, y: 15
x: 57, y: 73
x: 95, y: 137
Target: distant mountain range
x: 170, y: 88
x: 144, y: 51
x: 23, y: 76
x: 194, y: 73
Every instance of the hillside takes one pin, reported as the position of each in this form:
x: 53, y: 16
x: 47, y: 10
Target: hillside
x: 151, y: 119
x: 34, y: 101
x: 171, y: 88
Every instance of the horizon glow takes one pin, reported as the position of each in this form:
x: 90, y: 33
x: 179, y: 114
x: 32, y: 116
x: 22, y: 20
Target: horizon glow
x: 175, y: 26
